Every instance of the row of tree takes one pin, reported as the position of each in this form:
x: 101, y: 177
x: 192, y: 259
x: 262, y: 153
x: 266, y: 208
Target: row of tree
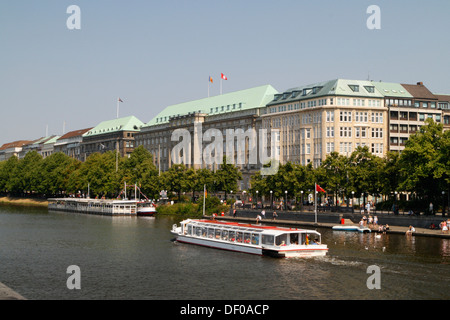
x: 104, y: 175
x: 422, y: 168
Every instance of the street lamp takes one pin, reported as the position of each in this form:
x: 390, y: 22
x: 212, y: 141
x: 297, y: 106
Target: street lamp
x: 443, y: 203
x: 395, y: 202
x: 257, y: 198
x: 301, y: 204
x: 353, y: 204
x: 285, y: 202
x: 271, y: 201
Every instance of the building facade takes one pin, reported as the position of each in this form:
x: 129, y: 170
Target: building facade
x: 208, y: 119
x: 337, y: 115
x: 10, y: 149
x: 111, y: 135
x: 70, y: 143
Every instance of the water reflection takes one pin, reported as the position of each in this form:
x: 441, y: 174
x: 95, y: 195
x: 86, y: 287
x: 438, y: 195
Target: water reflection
x: 134, y: 258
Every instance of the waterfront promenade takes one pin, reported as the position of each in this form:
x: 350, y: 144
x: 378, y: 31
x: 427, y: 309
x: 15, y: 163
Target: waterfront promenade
x: 7, y: 293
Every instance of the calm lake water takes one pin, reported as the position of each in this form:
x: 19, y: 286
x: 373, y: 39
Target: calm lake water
x: 134, y: 258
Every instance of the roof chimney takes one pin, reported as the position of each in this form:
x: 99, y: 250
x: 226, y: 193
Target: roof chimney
x: 420, y: 83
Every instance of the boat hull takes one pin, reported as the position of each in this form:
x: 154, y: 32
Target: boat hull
x: 351, y: 228
x: 306, y: 251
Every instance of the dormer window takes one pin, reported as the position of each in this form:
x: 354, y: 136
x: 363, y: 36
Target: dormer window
x: 369, y: 89
x: 355, y: 88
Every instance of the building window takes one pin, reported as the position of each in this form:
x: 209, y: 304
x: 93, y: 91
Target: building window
x: 369, y: 89
x: 345, y: 116
x: 345, y: 132
x: 355, y: 88
x: 330, y: 147
x: 330, y: 132
x: 330, y: 116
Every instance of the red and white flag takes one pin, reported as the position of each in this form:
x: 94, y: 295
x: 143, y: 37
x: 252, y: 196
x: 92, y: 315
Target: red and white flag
x: 223, y: 76
x: 319, y: 189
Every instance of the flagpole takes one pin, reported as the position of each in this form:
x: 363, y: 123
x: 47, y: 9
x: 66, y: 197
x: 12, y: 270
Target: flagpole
x: 204, y: 198
x: 221, y: 85
x: 315, y: 203
x: 118, y: 108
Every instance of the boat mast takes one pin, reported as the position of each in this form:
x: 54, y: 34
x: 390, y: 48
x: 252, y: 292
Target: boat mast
x: 204, y: 198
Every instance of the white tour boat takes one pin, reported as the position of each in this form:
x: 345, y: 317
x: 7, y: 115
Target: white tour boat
x: 351, y: 228
x: 249, y: 238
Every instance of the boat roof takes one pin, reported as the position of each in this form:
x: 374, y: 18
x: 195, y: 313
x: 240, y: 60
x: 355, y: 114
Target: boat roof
x: 248, y: 227
x: 93, y: 200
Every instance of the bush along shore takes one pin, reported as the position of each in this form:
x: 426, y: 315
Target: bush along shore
x: 194, y: 210
x: 18, y: 201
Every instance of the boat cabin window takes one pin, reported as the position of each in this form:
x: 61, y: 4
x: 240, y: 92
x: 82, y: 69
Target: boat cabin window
x: 198, y: 231
x: 309, y: 238
x: 232, y: 236
x: 239, y: 236
x: 204, y: 230
x: 217, y: 234
x: 246, y: 237
x: 210, y: 232
x: 225, y: 235
x: 267, y: 239
x: 294, y: 238
x: 255, y: 238
x: 281, y: 240
x: 189, y: 229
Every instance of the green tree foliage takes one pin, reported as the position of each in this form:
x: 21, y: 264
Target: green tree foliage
x: 226, y: 177
x: 175, y: 179
x: 424, y: 163
x: 139, y: 169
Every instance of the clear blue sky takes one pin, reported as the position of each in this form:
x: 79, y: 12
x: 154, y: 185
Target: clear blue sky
x: 156, y: 53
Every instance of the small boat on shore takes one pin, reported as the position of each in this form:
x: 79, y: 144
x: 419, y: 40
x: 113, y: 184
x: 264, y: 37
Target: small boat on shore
x: 351, y: 228
x: 146, y: 209
x: 250, y: 238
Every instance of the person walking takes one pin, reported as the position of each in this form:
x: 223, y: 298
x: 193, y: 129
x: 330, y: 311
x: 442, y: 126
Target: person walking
x: 274, y: 215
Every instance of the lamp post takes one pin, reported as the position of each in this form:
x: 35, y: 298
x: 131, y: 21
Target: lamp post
x: 271, y: 200
x: 285, y: 202
x: 353, y: 207
x: 257, y: 198
x: 395, y: 202
x: 443, y: 203
x: 301, y: 204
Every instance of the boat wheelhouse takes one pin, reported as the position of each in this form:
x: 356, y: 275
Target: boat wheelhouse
x: 253, y: 239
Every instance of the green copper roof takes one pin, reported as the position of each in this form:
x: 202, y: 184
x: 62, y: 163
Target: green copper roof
x: 130, y: 123
x: 389, y: 89
x: 52, y: 140
x: 337, y: 87
x: 229, y: 102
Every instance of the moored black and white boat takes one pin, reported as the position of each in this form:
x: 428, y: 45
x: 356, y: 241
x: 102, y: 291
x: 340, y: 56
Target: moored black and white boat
x: 145, y: 208
x: 248, y: 238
